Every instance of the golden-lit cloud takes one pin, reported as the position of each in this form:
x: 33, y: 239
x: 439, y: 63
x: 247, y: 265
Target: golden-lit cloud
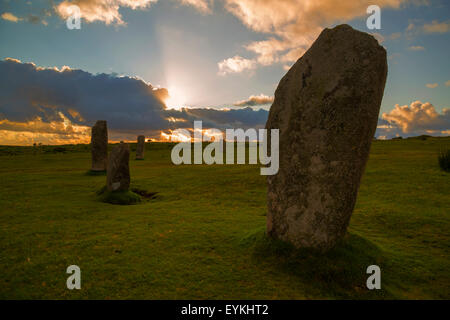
x: 26, y: 138
x: 431, y: 85
x: 75, y: 114
x: 106, y: 11
x: 254, y: 101
x: 178, y: 135
x: 235, y: 64
x: 59, y: 131
x: 172, y: 119
x: 266, y: 50
x: 13, y: 60
x: 8, y: 16
x: 292, y: 25
x: 437, y: 27
x: 204, y: 6
x: 60, y: 126
x: 189, y: 135
x: 447, y: 83
x: 395, y: 36
x: 31, y: 18
x: 419, y: 117
x: 416, y: 48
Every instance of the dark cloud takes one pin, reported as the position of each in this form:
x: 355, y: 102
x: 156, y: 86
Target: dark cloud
x: 36, y: 15
x: 27, y: 91
x: 221, y: 119
x: 130, y: 105
x: 63, y: 103
x: 35, y: 19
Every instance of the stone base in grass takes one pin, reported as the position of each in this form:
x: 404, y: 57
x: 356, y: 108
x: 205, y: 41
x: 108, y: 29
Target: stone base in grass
x: 118, y: 197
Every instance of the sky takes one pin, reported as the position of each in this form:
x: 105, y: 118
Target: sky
x: 152, y: 66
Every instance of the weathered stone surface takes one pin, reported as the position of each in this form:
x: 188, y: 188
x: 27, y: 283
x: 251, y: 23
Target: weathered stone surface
x: 326, y: 108
x: 140, y: 147
x: 99, y: 146
x: 118, y: 174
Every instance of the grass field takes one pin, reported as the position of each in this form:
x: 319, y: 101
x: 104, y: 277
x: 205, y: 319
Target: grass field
x: 202, y: 237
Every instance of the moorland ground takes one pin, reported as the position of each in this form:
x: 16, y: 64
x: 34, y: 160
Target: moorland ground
x: 202, y: 237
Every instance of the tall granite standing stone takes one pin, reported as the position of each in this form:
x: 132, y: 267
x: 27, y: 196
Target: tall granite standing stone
x: 140, y: 148
x: 326, y: 108
x: 99, y: 146
x: 118, y: 174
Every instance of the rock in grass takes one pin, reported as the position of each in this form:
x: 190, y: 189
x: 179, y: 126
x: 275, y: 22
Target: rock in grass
x: 119, y: 197
x: 99, y: 146
x: 326, y: 108
x: 118, y: 173
x: 140, y: 148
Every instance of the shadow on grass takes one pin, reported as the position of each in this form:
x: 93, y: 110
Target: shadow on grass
x: 339, y: 273
x: 144, y: 193
x: 96, y: 173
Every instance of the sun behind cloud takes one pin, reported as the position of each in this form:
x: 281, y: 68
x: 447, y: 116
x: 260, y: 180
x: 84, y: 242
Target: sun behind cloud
x: 177, y: 98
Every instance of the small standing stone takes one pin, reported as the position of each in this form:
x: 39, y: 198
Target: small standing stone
x: 140, y: 148
x: 99, y: 146
x: 326, y: 108
x: 118, y: 175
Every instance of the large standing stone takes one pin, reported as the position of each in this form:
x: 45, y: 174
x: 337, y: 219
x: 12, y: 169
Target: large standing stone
x: 140, y: 148
x: 118, y: 175
x: 99, y: 146
x: 326, y: 108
